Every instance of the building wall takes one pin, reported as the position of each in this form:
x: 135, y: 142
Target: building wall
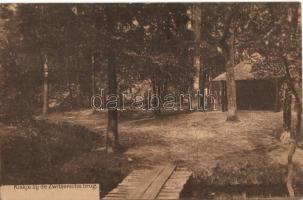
x: 256, y: 94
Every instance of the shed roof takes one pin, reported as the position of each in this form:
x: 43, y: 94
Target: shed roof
x: 243, y: 71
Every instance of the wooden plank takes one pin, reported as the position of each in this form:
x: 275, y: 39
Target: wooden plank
x: 151, y: 176
x: 169, y: 196
x: 162, y: 182
x: 174, y: 185
x: 158, y: 183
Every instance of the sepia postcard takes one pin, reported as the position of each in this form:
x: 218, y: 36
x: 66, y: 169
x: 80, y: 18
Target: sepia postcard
x: 150, y: 100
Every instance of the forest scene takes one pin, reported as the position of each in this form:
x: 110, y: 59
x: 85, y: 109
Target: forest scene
x: 90, y: 92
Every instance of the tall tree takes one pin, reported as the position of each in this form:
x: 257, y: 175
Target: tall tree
x: 45, y: 87
x: 227, y: 44
x: 112, y: 127
x: 220, y: 31
x: 281, y: 44
x: 196, y: 21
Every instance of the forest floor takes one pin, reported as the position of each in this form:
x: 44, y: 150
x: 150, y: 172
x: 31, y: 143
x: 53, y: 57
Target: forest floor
x: 202, y: 141
x: 189, y: 137
x: 247, y: 152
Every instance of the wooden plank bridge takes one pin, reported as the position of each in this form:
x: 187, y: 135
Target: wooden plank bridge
x: 161, y: 182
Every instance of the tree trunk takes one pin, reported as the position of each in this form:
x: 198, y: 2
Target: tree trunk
x: 68, y: 78
x: 287, y: 109
x: 290, y: 168
x: 224, y: 97
x: 78, y: 85
x: 196, y: 13
x: 230, y: 80
x: 277, y: 96
x: 159, y: 95
x: 155, y: 92
x: 112, y: 126
x: 294, y: 135
x: 165, y: 88
x: 293, y: 16
x: 68, y: 75
x: 93, y: 76
x: 202, y: 85
x: 45, y: 87
x: 154, y: 85
x: 299, y: 118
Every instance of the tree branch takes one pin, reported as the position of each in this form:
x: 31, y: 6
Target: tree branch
x: 228, y: 20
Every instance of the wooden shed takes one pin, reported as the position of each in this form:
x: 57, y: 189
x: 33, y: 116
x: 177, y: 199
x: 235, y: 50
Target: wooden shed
x: 253, y: 92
